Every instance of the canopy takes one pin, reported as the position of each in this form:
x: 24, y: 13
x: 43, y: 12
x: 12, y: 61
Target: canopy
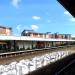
x: 69, y: 5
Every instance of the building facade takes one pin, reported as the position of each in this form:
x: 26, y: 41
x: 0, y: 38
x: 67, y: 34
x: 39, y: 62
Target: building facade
x: 5, y: 30
x: 30, y: 40
x: 31, y: 33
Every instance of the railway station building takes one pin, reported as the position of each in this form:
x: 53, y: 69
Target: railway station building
x: 31, y: 40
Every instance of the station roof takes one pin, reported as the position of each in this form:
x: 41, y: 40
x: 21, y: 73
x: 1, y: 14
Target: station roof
x: 1, y: 26
x: 26, y: 38
x: 69, y: 5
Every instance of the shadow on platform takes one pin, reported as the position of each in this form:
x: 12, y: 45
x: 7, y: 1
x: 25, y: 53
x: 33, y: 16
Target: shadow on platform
x: 55, y: 67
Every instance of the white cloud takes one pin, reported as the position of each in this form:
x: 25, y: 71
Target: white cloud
x: 15, y: 3
x: 67, y: 13
x: 72, y: 19
x: 35, y: 17
x: 48, y: 21
x: 18, y: 27
x: 34, y: 27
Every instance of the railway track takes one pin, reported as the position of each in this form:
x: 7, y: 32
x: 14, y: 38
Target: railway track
x: 6, y: 58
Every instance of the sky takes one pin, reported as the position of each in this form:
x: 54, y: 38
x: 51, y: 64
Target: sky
x: 39, y: 15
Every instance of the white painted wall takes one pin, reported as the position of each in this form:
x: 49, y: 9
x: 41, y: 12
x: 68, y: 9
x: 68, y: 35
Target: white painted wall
x: 47, y: 35
x: 26, y: 44
x: 47, y: 44
x: 34, y: 44
x: 20, y: 44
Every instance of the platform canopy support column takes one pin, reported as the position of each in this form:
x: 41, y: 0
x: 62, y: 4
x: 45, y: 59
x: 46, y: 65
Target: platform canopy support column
x: 14, y: 45
x: 45, y: 44
x: 53, y: 43
x: 32, y: 44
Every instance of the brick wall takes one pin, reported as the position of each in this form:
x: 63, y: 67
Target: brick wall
x: 5, y: 31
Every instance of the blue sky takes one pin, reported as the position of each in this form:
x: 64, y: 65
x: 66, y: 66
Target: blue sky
x: 39, y: 15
